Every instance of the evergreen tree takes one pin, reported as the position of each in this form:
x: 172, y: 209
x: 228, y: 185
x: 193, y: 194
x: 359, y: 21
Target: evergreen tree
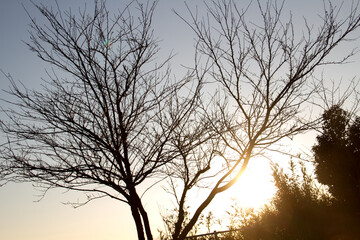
x: 337, y: 157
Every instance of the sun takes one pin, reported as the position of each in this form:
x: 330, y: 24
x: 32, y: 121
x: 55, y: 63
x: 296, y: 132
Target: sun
x: 255, y: 187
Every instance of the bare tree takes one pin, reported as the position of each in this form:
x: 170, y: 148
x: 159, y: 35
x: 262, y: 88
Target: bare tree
x: 104, y: 121
x: 265, y: 72
x: 197, y: 144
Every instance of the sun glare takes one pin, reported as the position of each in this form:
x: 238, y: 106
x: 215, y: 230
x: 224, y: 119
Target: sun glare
x: 255, y: 188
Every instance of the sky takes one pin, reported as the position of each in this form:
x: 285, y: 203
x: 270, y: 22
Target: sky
x: 23, y: 217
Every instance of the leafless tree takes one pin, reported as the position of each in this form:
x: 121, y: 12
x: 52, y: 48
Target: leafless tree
x: 197, y: 145
x: 265, y: 71
x: 104, y: 121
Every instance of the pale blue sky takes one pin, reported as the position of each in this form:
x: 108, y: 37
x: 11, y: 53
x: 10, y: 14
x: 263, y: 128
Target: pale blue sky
x: 21, y: 217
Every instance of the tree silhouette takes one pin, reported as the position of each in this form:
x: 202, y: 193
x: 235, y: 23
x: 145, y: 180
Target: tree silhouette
x: 263, y: 70
x: 337, y: 157
x: 102, y: 124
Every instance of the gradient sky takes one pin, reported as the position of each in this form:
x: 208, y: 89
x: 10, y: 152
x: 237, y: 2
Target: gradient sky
x: 49, y: 219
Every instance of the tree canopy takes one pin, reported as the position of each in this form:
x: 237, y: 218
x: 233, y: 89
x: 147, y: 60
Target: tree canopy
x: 337, y: 156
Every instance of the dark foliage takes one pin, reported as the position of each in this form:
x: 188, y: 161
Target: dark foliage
x: 337, y: 154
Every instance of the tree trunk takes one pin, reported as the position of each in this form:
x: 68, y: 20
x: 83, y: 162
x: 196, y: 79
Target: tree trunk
x: 145, y: 222
x: 138, y: 222
x: 196, y: 216
x: 213, y: 193
x: 178, y: 224
x: 181, y: 215
x: 140, y: 217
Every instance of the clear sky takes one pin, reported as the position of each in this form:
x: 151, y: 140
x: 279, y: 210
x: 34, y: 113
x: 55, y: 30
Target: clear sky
x: 49, y: 219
